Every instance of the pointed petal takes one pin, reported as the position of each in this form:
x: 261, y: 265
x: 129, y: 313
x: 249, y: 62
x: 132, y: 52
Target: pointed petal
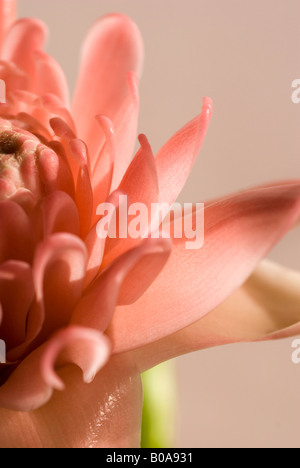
x: 122, y: 283
x: 140, y: 185
x: 239, y: 232
x: 103, y: 170
x: 126, y: 126
x: 176, y: 158
x: 113, y: 48
x: 140, y: 182
x: 66, y: 136
x: 84, y: 192
x: 265, y: 307
x: 95, y: 244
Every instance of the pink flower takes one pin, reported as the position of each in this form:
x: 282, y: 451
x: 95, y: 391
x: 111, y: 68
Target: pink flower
x: 112, y: 307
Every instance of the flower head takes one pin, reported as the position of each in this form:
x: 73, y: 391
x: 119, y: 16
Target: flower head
x: 117, y: 306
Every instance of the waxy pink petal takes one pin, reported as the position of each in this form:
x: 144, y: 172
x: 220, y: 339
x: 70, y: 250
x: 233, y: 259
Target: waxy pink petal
x: 176, y: 158
x: 59, y: 214
x: 16, y: 295
x: 14, y: 79
x: 85, y: 347
x: 113, y: 48
x: 49, y: 78
x: 58, y: 269
x: 106, y: 413
x: 25, y: 38
x: 95, y: 244
x: 32, y: 383
x: 8, y: 10
x: 126, y: 126
x: 140, y: 185
x: 265, y: 307
x: 84, y: 192
x: 102, y: 171
x: 239, y: 232
x: 122, y: 283
x: 16, y: 232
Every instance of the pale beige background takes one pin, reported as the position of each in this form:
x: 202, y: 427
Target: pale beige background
x: 245, y: 55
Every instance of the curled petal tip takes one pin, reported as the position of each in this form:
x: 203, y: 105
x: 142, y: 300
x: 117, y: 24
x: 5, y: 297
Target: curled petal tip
x: 143, y: 141
x: 106, y: 124
x: 208, y: 106
x: 133, y: 82
x: 79, y: 151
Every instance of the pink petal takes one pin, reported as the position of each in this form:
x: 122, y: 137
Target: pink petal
x: 84, y: 347
x: 58, y: 273
x: 54, y: 171
x: 84, y: 192
x: 102, y: 172
x: 113, y: 48
x: 140, y: 181
x: 122, y: 283
x: 16, y: 242
x: 54, y: 106
x: 95, y: 244
x: 62, y: 129
x: 8, y: 9
x: 16, y: 295
x: 34, y: 126
x: 140, y: 184
x: 59, y: 214
x: 265, y: 307
x: 25, y: 38
x: 14, y: 79
x: 126, y: 125
x: 50, y: 78
x: 106, y: 413
x: 91, y: 353
x: 239, y: 232
x: 66, y: 135
x: 176, y: 158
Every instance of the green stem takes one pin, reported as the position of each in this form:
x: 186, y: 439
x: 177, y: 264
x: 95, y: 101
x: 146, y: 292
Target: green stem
x: 160, y: 407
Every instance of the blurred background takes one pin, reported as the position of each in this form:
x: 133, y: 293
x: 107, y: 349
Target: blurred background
x: 245, y: 55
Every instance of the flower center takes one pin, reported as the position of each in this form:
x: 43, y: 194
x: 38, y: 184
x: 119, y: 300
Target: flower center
x: 9, y: 143
x: 11, y: 161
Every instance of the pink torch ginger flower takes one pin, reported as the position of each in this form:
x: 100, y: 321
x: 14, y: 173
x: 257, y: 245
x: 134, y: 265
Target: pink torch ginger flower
x: 112, y: 307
